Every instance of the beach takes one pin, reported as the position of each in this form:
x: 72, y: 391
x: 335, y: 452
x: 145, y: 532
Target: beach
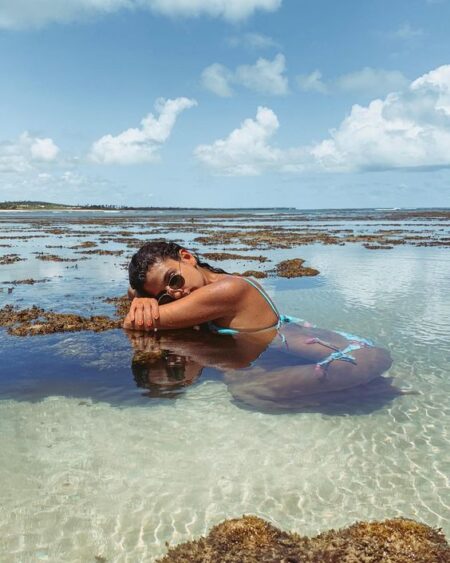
x: 97, y: 466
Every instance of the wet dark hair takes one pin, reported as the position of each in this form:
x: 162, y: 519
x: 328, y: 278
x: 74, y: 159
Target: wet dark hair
x: 153, y: 252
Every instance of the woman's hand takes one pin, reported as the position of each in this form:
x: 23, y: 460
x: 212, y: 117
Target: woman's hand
x: 143, y: 314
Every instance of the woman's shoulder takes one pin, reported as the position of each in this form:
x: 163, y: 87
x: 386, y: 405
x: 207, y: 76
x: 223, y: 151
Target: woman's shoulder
x: 228, y: 287
x: 232, y: 283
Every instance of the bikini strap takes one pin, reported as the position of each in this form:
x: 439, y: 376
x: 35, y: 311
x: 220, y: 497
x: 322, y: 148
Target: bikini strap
x: 266, y: 297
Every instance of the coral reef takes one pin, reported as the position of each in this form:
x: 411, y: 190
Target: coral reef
x: 27, y: 281
x: 85, y: 244
x: 252, y: 540
x: 101, y: 252
x: 53, y: 258
x: 294, y: 269
x: 378, y: 246
x: 10, y: 259
x: 122, y: 304
x: 34, y: 321
x: 231, y: 256
x: 254, y: 274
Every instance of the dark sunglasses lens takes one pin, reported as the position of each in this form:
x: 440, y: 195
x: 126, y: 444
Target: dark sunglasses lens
x: 176, y: 281
x: 164, y: 299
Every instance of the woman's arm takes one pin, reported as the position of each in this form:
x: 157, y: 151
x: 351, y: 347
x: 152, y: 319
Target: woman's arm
x: 216, y: 300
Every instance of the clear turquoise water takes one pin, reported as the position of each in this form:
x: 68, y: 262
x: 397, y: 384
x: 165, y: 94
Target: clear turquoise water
x: 90, y: 466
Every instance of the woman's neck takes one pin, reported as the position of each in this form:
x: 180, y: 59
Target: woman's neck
x: 208, y: 276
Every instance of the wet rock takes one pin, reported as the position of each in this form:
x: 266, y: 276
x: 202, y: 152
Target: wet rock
x: 229, y: 256
x: 294, y: 269
x: 36, y: 321
x: 122, y: 304
x: 10, y: 259
x: 252, y: 540
x: 101, y: 252
x: 28, y: 281
x: 54, y: 258
x: 85, y: 244
x: 254, y: 274
x: 378, y: 246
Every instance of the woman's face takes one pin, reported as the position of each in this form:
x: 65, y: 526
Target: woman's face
x: 158, y: 277
x: 176, y: 371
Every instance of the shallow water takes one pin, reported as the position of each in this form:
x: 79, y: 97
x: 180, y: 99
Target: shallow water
x: 93, y: 466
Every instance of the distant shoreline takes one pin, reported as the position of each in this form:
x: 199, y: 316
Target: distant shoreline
x: 4, y: 206
x: 35, y: 206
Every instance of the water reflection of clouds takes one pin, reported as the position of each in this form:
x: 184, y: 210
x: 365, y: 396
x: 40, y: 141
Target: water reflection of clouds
x: 407, y: 285
x: 371, y: 278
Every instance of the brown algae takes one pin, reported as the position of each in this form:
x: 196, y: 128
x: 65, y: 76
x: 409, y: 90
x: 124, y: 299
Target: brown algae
x: 294, y: 269
x: 36, y: 321
x: 10, y: 259
x: 252, y: 540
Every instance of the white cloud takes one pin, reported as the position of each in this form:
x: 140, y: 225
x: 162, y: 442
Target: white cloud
x: 312, y: 82
x: 373, y: 81
x: 253, y: 41
x: 265, y: 77
x: 245, y: 152
x: 32, y: 13
x: 217, y: 79
x: 407, y: 32
x: 232, y: 10
x: 26, y: 153
x: 70, y: 186
x: 140, y: 145
x: 16, y: 14
x: 44, y: 149
x: 408, y: 129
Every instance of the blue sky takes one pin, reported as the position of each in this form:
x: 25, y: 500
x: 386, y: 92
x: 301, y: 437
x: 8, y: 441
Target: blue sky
x: 211, y: 103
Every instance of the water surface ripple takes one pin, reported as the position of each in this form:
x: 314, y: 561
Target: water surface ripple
x: 92, y: 467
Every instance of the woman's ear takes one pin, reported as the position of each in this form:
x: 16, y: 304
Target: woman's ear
x: 188, y: 257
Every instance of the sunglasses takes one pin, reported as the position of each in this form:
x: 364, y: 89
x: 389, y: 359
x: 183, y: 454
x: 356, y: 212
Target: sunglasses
x: 176, y: 281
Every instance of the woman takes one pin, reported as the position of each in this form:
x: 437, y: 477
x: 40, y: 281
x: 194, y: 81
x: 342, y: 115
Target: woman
x: 173, y: 289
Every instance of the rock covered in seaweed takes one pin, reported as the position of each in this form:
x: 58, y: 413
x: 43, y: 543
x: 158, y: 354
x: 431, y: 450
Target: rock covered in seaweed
x: 34, y: 320
x: 252, y: 540
x: 294, y: 269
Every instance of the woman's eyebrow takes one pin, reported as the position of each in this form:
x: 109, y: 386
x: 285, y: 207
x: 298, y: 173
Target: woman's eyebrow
x: 164, y: 282
x: 167, y: 277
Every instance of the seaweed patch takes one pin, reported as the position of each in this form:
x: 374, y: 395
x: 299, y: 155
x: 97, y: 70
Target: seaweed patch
x: 10, y: 259
x: 252, y: 539
x: 230, y: 256
x: 294, y: 269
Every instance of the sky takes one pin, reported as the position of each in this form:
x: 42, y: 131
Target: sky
x: 226, y: 103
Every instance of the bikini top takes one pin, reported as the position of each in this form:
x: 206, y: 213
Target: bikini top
x: 281, y: 318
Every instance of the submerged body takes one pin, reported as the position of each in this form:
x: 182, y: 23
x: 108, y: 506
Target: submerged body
x: 297, y: 369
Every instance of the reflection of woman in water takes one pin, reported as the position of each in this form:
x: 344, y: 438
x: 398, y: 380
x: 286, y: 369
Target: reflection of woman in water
x: 166, y: 362
x: 172, y: 289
